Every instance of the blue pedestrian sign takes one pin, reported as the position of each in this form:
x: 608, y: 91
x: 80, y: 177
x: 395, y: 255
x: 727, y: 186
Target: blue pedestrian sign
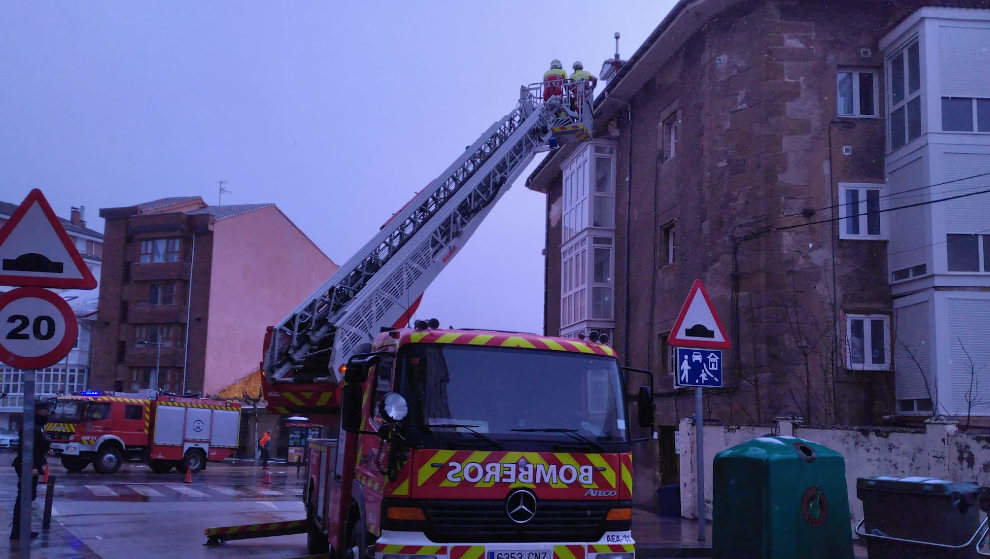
x: 699, y: 367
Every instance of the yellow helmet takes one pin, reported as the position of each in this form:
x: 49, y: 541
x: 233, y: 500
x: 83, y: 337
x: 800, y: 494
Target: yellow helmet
x: 578, y: 65
x: 556, y: 64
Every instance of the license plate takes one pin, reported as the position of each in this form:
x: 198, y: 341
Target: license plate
x: 518, y: 554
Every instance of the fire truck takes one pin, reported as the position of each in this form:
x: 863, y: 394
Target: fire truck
x: 454, y: 444
x: 107, y: 428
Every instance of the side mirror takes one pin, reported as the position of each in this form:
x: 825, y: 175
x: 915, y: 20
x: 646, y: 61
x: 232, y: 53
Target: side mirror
x: 352, y: 392
x: 645, y: 407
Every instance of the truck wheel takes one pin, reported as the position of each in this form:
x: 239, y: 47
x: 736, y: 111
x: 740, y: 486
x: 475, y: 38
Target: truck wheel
x: 160, y: 466
x: 74, y: 464
x: 194, y: 460
x: 358, y: 540
x: 316, y: 541
x: 108, y: 459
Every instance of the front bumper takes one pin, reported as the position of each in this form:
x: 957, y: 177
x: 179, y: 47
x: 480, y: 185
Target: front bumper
x: 415, y: 545
x: 68, y: 449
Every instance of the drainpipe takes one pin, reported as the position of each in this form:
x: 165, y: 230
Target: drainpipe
x: 625, y: 310
x: 185, y: 353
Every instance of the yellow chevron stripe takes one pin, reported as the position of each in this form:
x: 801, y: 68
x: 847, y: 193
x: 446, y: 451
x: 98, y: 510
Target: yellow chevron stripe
x: 608, y: 350
x: 628, y: 547
x: 582, y: 347
x: 607, y: 472
x: 473, y: 552
x: 567, y: 458
x: 627, y: 477
x: 392, y: 548
x: 292, y: 398
x: 509, y: 458
x: 476, y: 456
x: 562, y: 552
x: 429, y: 550
x: 416, y: 337
x: 552, y: 344
x: 600, y: 548
x: 447, y: 338
x: 426, y: 471
x: 402, y: 489
x: 324, y: 398
x: 535, y: 458
x: 516, y: 341
x: 481, y: 339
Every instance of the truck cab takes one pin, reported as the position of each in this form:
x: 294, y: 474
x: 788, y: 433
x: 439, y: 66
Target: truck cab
x: 465, y: 443
x: 104, y: 429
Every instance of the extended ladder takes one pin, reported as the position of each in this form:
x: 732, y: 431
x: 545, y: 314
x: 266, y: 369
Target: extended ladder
x: 376, y: 287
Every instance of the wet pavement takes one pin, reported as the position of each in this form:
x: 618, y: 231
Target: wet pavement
x: 137, y: 513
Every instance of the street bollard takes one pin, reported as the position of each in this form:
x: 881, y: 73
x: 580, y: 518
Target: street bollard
x: 49, y: 496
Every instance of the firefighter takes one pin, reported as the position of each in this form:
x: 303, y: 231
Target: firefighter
x: 263, y: 444
x: 40, y: 451
x: 581, y: 80
x: 553, y: 80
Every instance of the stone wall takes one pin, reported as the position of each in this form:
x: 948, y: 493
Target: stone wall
x: 939, y: 450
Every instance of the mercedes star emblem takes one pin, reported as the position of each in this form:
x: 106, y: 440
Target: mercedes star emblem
x: 520, y: 506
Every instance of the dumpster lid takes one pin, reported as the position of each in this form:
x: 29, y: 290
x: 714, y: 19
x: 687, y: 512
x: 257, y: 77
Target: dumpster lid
x: 919, y: 485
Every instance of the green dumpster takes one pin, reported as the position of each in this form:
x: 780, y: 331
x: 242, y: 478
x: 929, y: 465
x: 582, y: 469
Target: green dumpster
x: 780, y: 498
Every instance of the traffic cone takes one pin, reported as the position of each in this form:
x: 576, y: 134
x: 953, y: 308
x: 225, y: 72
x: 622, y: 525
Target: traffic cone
x: 45, y: 478
x: 188, y: 475
x: 268, y: 477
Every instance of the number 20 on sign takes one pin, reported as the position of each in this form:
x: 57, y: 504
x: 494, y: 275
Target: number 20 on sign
x: 37, y: 328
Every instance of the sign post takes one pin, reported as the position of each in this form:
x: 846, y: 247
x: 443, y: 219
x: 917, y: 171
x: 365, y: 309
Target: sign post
x: 37, y: 327
x: 699, y: 337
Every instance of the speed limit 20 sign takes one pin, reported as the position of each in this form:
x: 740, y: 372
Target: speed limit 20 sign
x: 37, y: 328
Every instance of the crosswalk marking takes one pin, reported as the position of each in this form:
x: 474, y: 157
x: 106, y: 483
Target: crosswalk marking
x: 269, y: 492
x: 145, y: 490
x: 101, y: 490
x: 226, y: 491
x: 186, y: 490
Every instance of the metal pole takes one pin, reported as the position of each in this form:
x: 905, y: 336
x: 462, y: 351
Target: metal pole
x: 158, y: 361
x: 699, y: 425
x: 27, y: 463
x: 185, y: 354
x: 46, y: 521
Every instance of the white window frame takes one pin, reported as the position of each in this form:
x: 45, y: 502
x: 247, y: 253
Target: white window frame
x: 857, y: 110
x: 668, y: 244
x: 974, y: 115
x: 574, y: 282
x: 670, y: 131
x: 860, y: 212
x: 867, y: 364
x: 592, y: 283
x: 909, y: 95
x: 981, y: 249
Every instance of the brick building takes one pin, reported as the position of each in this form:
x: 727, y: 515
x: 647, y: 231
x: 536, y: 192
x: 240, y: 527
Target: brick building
x: 800, y: 158
x: 188, y: 289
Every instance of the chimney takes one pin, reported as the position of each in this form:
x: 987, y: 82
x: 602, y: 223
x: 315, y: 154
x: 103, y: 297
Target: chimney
x: 82, y: 216
x: 76, y: 216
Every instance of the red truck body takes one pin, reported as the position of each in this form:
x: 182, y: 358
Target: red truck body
x: 166, y: 431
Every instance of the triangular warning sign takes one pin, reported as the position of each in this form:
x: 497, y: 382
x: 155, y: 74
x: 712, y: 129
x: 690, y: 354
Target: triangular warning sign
x: 36, y: 251
x: 697, y: 324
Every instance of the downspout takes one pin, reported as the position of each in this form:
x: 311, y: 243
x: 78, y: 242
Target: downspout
x: 546, y: 271
x: 625, y: 310
x: 185, y: 353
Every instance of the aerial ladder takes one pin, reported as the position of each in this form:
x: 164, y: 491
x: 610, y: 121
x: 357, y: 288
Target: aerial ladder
x: 380, y: 286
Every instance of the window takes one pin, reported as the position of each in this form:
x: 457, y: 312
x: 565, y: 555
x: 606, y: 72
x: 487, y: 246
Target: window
x: 604, y: 196
x: 94, y: 249
x: 162, y: 293
x: 668, y: 245
x: 601, y: 287
x: 160, y: 250
x: 668, y: 356
x: 964, y: 114
x: 574, y: 283
x: 669, y: 135
x: 140, y: 378
x: 857, y: 94
x: 920, y: 406
x: 968, y: 252
x: 908, y: 273
x: 97, y: 412
x: 133, y: 412
x: 905, y: 95
x: 867, y: 342
x: 859, y: 211
x: 147, y: 335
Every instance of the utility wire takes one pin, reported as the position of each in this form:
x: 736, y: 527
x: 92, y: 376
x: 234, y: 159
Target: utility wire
x: 901, y: 193
x: 905, y: 206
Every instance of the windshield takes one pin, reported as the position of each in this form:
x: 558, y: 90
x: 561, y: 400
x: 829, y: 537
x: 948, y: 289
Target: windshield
x: 505, y: 397
x: 68, y: 411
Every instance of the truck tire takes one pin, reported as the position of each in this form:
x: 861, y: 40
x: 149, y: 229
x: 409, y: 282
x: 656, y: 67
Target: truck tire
x: 358, y: 539
x: 74, y: 464
x: 194, y: 460
x: 160, y: 466
x: 316, y: 541
x: 108, y: 459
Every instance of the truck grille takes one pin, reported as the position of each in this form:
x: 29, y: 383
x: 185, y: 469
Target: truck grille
x: 58, y: 436
x: 479, y: 521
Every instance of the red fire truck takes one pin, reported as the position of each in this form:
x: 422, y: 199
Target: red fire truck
x: 106, y: 428
x: 460, y: 444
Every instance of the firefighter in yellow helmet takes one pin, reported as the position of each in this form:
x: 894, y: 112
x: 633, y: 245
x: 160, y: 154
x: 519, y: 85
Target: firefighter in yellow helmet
x: 553, y: 80
x: 581, y: 80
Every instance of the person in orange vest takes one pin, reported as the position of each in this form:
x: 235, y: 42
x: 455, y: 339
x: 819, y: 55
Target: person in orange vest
x: 581, y: 80
x: 263, y: 443
x: 553, y: 80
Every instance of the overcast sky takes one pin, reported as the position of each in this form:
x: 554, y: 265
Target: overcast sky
x: 335, y: 111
